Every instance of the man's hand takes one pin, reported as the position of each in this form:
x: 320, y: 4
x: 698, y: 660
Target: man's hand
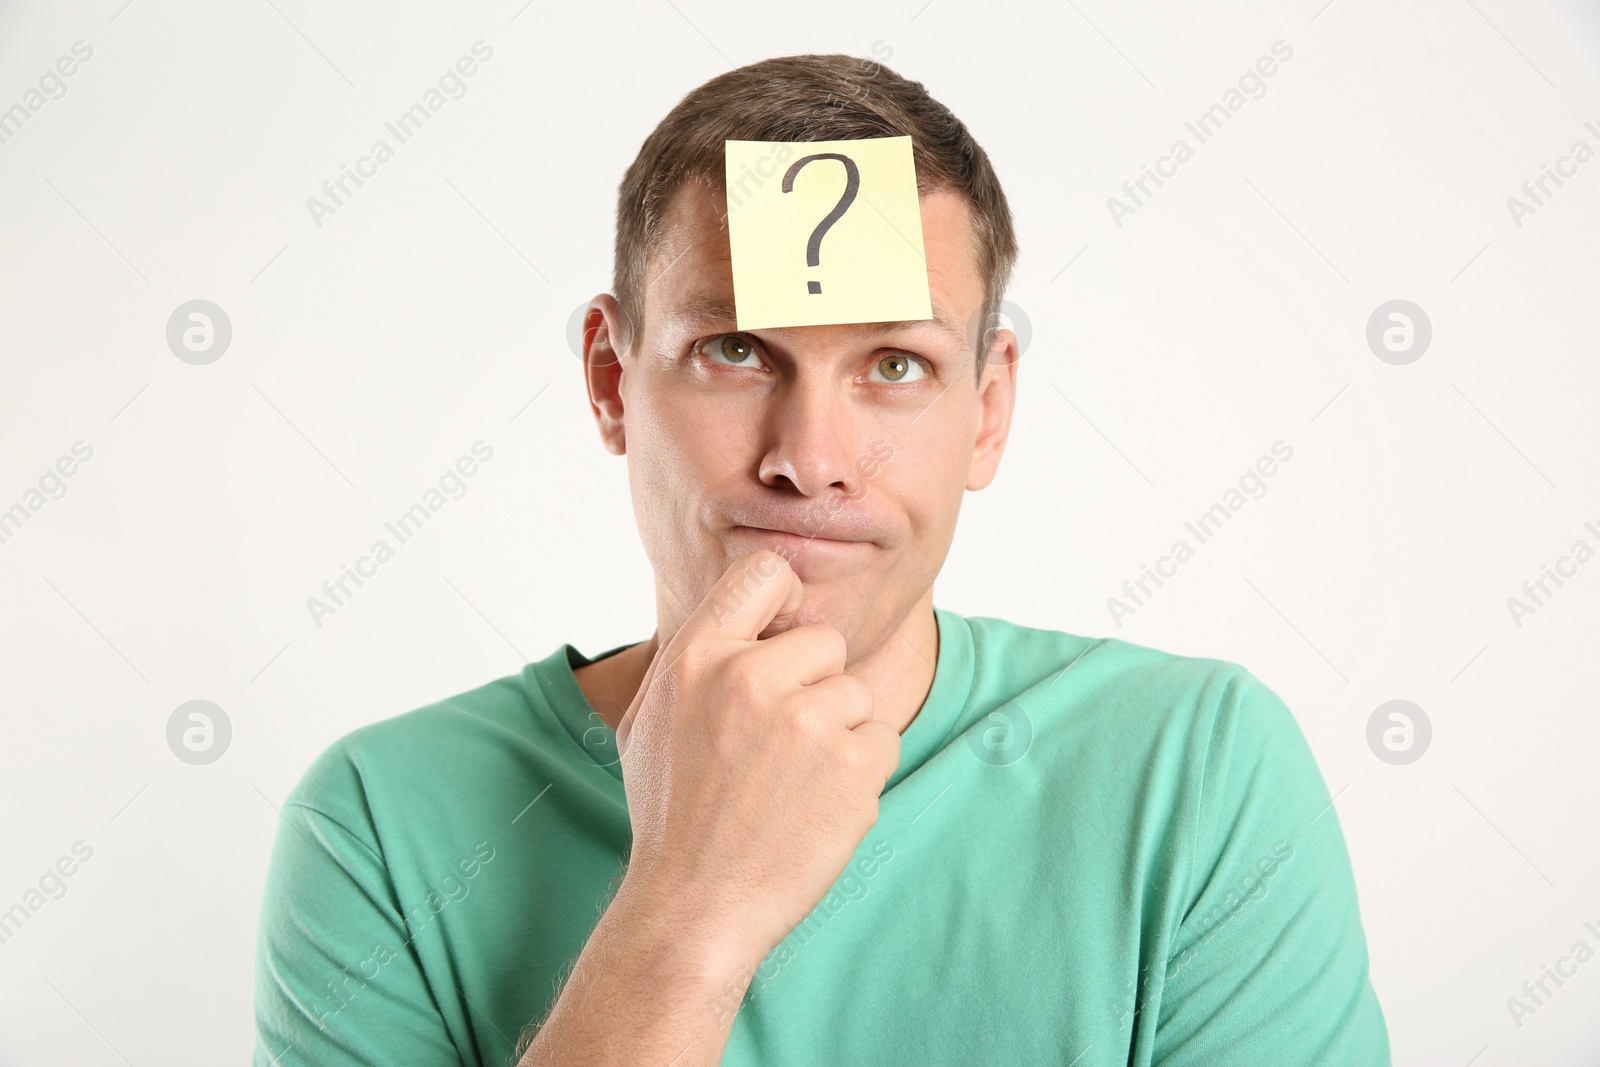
x: 752, y: 767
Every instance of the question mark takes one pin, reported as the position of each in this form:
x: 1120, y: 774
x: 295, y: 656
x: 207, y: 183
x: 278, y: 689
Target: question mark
x: 852, y: 184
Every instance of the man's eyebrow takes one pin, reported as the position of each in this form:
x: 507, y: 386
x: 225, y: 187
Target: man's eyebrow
x: 720, y: 309
x: 711, y: 308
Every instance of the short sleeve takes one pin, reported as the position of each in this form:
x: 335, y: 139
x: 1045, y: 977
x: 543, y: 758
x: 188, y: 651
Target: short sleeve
x: 337, y: 980
x: 1269, y: 962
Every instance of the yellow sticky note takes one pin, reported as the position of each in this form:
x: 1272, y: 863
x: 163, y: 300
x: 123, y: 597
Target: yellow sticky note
x: 825, y: 232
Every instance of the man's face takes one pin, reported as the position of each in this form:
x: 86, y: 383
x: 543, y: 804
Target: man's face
x: 846, y: 448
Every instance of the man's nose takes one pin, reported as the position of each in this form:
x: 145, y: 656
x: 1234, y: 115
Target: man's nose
x: 810, y: 432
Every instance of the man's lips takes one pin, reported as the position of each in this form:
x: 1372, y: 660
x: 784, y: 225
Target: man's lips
x: 807, y: 537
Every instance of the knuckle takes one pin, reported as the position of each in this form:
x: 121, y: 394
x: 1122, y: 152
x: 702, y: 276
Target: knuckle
x: 684, y: 663
x: 852, y: 761
x: 742, y: 680
x: 853, y: 685
x: 804, y: 722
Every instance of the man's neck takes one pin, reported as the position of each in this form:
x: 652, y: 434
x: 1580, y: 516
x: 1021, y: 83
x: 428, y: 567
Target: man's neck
x: 899, y: 671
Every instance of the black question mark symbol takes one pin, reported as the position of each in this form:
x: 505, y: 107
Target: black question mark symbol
x: 852, y: 185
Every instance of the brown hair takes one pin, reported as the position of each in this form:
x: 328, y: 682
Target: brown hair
x: 807, y: 98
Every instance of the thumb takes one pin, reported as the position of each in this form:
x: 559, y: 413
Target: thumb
x: 757, y: 597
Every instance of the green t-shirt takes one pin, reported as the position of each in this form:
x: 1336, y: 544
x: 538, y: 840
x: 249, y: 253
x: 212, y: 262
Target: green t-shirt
x: 1092, y: 853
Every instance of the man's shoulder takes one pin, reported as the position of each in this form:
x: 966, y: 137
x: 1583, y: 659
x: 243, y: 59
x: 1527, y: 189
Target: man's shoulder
x: 466, y: 733
x: 1125, y: 689
x: 1118, y: 722
x: 1004, y: 644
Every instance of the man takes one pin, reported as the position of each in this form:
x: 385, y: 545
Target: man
x: 813, y: 818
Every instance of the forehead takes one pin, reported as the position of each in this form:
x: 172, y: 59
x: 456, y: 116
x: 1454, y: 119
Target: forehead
x: 691, y: 269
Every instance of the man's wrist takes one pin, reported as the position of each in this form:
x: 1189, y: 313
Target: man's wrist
x: 681, y: 939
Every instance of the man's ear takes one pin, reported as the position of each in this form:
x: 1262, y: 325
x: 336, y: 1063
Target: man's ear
x: 604, y: 348
x: 997, y: 397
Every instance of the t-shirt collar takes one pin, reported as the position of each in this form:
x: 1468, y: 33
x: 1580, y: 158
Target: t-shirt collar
x: 553, y: 679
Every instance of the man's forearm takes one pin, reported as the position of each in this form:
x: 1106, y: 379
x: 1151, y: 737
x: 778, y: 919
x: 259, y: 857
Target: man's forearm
x: 648, y: 989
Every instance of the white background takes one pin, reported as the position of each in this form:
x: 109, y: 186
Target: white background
x: 1167, y: 354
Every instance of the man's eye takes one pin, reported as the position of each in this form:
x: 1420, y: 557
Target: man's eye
x: 735, y: 348
x: 897, y: 367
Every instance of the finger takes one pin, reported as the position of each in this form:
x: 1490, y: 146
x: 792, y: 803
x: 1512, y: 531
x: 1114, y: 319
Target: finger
x: 754, y: 592
x: 845, y: 699
x: 882, y: 741
x: 809, y: 653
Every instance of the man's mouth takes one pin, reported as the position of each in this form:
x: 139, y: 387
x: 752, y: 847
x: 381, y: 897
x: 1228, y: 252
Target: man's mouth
x: 814, y: 541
